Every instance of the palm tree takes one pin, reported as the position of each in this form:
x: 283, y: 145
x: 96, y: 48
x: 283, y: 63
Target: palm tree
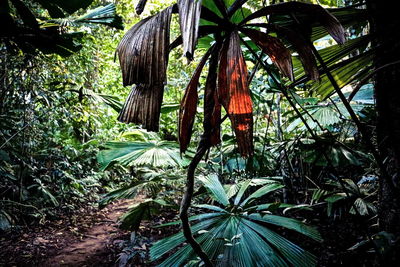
x: 143, y: 55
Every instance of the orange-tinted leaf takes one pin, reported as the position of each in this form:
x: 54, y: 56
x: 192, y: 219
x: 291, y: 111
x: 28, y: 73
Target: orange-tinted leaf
x: 188, y: 107
x: 143, y: 106
x: 331, y: 24
x: 234, y: 94
x: 274, y: 48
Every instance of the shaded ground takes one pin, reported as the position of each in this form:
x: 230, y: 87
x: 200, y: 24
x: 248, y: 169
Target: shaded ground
x: 88, y: 238
x: 91, y: 237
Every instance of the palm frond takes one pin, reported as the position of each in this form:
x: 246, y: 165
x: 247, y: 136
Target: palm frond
x: 234, y: 94
x: 143, y: 106
x: 142, y: 211
x: 152, y: 153
x: 189, y: 19
x: 275, y: 49
x: 143, y: 51
x: 211, y: 182
x: 101, y: 15
x: 188, y: 107
x: 288, y: 223
x: 316, y: 12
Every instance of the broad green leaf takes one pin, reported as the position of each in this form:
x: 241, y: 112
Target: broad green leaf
x: 288, y: 223
x: 213, y: 185
x: 151, y: 153
x: 261, y: 192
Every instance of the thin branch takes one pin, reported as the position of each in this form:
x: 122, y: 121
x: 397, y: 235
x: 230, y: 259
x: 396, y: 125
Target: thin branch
x: 187, y: 199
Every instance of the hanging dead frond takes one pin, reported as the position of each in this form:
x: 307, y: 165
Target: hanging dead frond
x: 143, y: 106
x: 274, y: 48
x: 212, y: 105
x: 143, y: 56
x: 189, y: 19
x: 188, y: 107
x: 143, y: 51
x: 321, y: 15
x: 303, y: 48
x: 234, y: 94
x: 140, y: 6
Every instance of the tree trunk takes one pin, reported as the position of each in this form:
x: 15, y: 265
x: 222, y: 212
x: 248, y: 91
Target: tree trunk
x: 385, y: 24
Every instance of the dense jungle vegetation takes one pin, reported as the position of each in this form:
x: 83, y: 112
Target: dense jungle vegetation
x: 199, y: 133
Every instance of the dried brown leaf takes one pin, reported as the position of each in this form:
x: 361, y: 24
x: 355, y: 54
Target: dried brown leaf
x: 303, y: 48
x: 212, y: 106
x: 188, y: 107
x: 330, y: 23
x: 143, y: 51
x: 189, y: 18
x: 274, y: 48
x: 143, y: 106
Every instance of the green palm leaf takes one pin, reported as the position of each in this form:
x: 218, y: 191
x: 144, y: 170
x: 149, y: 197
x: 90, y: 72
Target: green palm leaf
x: 232, y: 237
x: 151, y: 153
x: 213, y: 185
x: 163, y: 246
x: 141, y: 211
x: 288, y: 223
x: 105, y: 15
x: 261, y: 192
x: 293, y: 253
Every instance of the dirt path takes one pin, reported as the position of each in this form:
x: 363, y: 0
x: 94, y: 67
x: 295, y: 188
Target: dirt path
x: 95, y: 242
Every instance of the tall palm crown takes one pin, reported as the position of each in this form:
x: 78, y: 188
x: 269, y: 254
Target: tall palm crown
x: 143, y: 55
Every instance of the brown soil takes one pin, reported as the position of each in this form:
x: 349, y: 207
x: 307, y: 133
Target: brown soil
x: 85, y: 239
x: 95, y: 241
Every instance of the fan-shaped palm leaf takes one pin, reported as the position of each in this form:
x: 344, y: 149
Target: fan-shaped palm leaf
x: 316, y: 12
x: 151, y: 153
x: 101, y: 15
x: 238, y: 237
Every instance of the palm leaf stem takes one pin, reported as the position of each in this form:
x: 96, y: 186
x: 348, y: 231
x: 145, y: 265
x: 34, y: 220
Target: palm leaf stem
x: 367, y: 138
x: 308, y: 113
x: 235, y: 6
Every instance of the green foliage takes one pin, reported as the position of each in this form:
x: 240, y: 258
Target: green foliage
x: 234, y: 233
x: 356, y: 199
x: 152, y: 153
x: 49, y: 34
x: 145, y: 210
x: 101, y: 15
x: 58, y: 115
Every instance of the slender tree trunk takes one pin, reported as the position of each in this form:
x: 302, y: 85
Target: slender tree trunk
x: 385, y: 24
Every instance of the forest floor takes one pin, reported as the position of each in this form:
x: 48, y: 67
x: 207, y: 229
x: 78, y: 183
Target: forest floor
x: 90, y: 237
